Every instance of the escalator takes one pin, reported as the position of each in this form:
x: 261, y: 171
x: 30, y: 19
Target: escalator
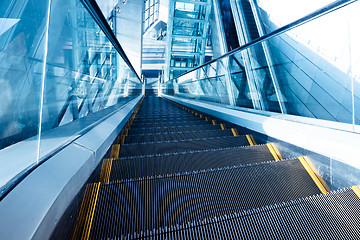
x: 175, y: 173
x: 232, y: 41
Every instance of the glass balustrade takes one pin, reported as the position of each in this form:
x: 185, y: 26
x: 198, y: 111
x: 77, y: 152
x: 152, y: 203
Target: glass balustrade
x: 59, y: 74
x: 308, y: 69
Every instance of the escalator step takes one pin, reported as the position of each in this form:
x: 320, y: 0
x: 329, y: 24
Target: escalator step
x: 331, y: 216
x: 141, y: 117
x: 135, y: 167
x: 143, y: 205
x: 169, y: 123
x: 177, y: 136
x: 139, y: 149
x: 165, y: 130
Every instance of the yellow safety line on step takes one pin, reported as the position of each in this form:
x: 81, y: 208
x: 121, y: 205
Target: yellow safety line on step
x: 86, y: 213
x: 115, y: 149
x: 103, y: 171
x: 276, y: 154
x: 206, y: 119
x: 317, y: 175
x: 108, y: 172
x: 92, y: 211
x: 251, y: 140
x: 82, y: 213
x: 235, y: 132
x: 313, y: 175
x: 214, y: 122
x: 356, y: 190
x: 201, y: 116
x: 223, y: 127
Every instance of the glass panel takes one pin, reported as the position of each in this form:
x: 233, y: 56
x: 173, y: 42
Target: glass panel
x: 262, y: 91
x: 207, y: 83
x: 187, y: 28
x: 242, y: 93
x: 354, y: 48
x: 313, y: 63
x: 107, y: 6
x: 311, y: 71
x: 22, y: 48
x: 84, y: 75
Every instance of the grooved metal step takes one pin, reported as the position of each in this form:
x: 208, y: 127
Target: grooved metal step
x: 177, y: 136
x: 165, y: 130
x: 179, y: 122
x: 141, y: 206
x: 331, y: 216
x: 135, y: 167
x: 182, y: 145
x: 141, y: 117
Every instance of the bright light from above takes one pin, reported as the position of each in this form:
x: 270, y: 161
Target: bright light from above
x: 335, y: 36
x: 285, y: 11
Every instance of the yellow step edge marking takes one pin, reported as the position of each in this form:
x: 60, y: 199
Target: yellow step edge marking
x: 122, y: 139
x: 86, y: 213
x: 250, y: 139
x: 356, y: 190
x: 196, y: 114
x: 223, y: 127
x: 235, y: 132
x: 206, y: 119
x: 201, y: 116
x: 103, y: 171
x: 92, y: 211
x: 271, y: 148
x: 115, y: 149
x: 214, y: 122
x: 276, y: 151
x: 308, y: 161
x: 313, y: 175
x: 108, y: 172
x: 82, y: 213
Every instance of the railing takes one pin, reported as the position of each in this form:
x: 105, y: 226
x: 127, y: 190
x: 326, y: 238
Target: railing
x: 60, y: 62
x: 307, y: 84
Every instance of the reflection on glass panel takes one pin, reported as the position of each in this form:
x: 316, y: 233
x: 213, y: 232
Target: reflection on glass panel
x: 22, y: 45
x: 22, y: 48
x: 84, y: 73
x: 187, y: 28
x: 242, y: 93
x: 186, y: 45
x: 207, y: 83
x: 107, y: 6
x: 354, y: 40
x: 189, y: 10
x: 262, y: 91
x: 316, y: 82
x: 311, y: 70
